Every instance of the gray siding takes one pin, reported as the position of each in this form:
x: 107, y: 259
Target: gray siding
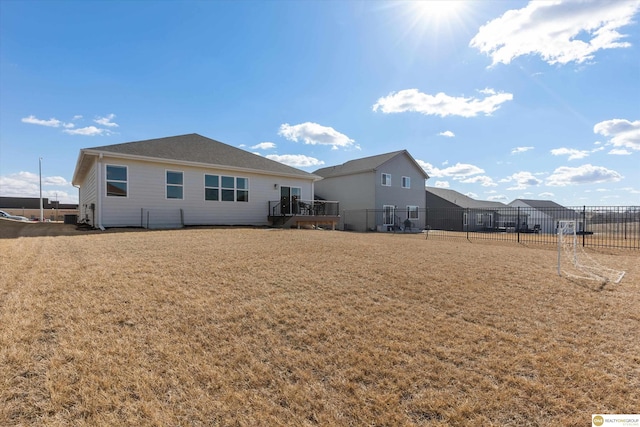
x: 398, y: 167
x: 354, y: 192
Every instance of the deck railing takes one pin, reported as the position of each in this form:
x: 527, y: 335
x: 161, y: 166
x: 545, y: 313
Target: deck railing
x: 304, y: 207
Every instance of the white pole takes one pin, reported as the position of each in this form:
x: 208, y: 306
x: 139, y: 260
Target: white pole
x: 41, y: 207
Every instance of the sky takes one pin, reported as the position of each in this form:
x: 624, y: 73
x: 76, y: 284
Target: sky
x: 498, y: 100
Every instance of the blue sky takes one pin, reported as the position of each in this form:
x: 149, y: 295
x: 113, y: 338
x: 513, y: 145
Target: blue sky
x: 495, y: 99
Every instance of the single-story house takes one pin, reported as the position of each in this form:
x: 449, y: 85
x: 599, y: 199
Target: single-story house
x: 182, y: 180
x: 450, y: 210
x: 545, y: 214
x: 383, y: 192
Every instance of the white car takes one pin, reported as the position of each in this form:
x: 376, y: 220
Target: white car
x: 4, y: 214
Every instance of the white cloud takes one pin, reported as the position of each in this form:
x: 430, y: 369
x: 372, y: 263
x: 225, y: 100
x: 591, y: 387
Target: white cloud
x: 621, y: 133
x: 585, y: 174
x: 571, y: 152
x: 440, y: 104
x: 558, y: 31
x: 447, y: 133
x: 620, y: 152
x: 483, y: 180
x: 54, y: 123
x: 522, y: 180
x: 295, y: 160
x: 472, y: 195
x: 546, y: 195
x: 442, y: 184
x: 27, y: 184
x: 518, y: 150
x: 69, y: 128
x: 264, y: 146
x: 315, y: 134
x: 106, y: 120
x: 88, y: 131
x: 497, y: 198
x: 457, y: 171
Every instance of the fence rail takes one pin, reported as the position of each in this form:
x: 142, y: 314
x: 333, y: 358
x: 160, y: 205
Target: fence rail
x: 597, y: 226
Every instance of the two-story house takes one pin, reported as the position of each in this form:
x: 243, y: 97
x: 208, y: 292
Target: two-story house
x: 383, y: 192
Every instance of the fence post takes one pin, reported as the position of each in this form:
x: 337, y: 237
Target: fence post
x: 584, y: 224
x: 426, y: 217
x: 468, y: 221
x: 518, y: 225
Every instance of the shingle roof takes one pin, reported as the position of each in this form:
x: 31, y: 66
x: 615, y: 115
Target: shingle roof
x: 199, y: 149
x: 541, y: 204
x: 462, y: 200
x: 364, y: 164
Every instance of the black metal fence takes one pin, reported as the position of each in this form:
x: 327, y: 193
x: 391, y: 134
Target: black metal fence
x: 597, y: 226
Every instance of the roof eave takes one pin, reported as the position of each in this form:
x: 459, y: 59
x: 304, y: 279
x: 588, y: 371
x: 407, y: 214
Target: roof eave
x: 197, y: 164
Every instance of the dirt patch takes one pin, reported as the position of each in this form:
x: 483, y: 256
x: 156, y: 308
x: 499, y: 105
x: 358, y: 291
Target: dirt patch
x: 10, y: 229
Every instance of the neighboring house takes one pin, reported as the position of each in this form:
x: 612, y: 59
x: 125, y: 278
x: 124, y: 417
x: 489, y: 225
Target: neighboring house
x: 450, y: 210
x: 545, y: 214
x: 29, y: 207
x: 182, y: 180
x: 376, y: 193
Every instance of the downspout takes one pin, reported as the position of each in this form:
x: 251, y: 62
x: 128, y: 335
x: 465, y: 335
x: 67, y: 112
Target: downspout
x: 99, y: 192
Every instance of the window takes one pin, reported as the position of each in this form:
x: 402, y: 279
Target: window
x: 212, y: 187
x: 479, y: 219
x: 386, y: 179
x: 232, y: 189
x: 242, y: 189
x: 228, y: 188
x: 406, y: 182
x: 412, y: 212
x: 174, y: 185
x: 116, y: 181
x: 464, y: 219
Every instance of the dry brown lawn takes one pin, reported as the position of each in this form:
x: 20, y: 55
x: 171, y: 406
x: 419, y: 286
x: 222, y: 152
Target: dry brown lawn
x: 256, y: 327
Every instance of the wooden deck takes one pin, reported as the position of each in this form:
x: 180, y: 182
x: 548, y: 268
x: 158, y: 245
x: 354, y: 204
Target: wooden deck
x: 287, y: 221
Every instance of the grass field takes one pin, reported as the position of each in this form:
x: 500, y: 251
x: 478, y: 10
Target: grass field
x: 256, y: 327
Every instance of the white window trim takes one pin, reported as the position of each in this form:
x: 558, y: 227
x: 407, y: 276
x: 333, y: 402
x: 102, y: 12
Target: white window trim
x: 392, y: 209
x: 235, y: 199
x: 412, y: 208
x: 166, y: 184
x: 408, y: 181
x: 235, y: 188
x: 204, y: 181
x: 388, y: 184
x: 115, y: 180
